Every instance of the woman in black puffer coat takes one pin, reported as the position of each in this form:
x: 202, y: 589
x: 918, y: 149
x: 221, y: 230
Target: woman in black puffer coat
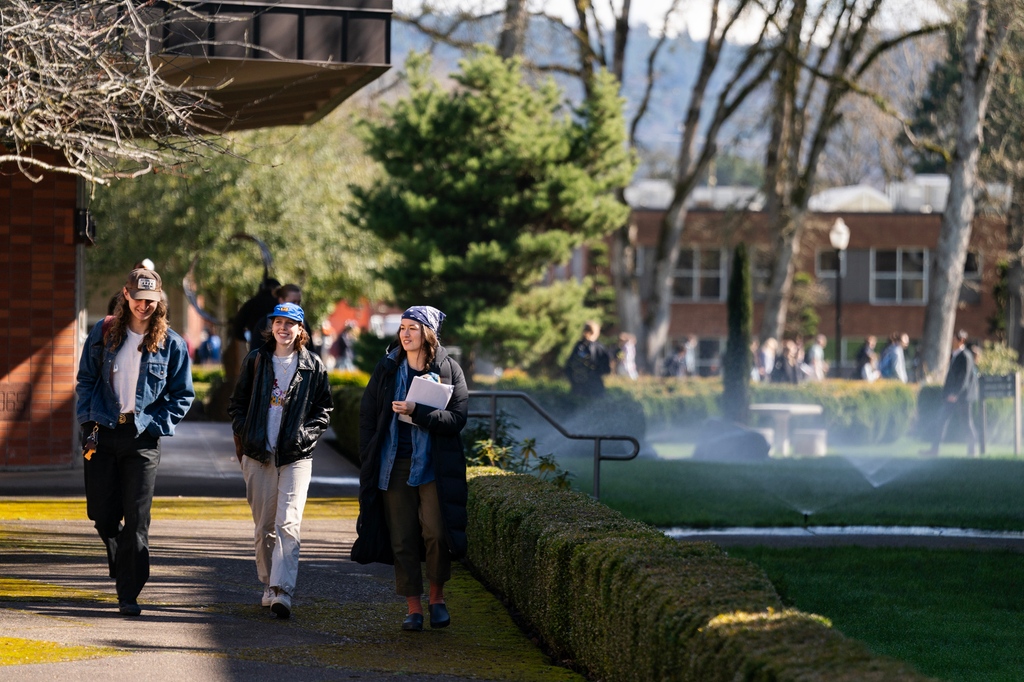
x: 412, y: 489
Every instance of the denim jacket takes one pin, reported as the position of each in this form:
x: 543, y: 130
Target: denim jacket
x: 421, y: 469
x: 164, y: 391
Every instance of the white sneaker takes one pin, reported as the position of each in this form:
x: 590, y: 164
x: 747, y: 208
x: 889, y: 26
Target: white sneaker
x: 281, y: 604
x: 268, y: 596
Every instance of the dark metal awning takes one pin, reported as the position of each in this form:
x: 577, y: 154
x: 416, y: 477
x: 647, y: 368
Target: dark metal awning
x: 275, y: 63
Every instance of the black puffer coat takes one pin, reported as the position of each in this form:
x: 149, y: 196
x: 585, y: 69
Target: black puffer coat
x: 446, y: 452
x: 307, y: 407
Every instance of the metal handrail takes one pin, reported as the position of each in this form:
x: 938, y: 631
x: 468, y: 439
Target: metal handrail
x: 597, y: 438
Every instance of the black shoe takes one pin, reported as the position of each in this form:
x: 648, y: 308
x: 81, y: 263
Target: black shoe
x: 439, y: 617
x: 413, y: 622
x: 129, y: 608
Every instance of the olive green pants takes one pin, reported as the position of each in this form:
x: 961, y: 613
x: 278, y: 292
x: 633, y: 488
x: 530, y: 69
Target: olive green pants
x: 413, y: 513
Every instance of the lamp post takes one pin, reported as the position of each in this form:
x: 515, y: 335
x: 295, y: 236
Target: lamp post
x: 839, y: 236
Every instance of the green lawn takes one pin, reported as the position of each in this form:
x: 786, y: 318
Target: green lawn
x: 953, y: 615
x: 832, y: 490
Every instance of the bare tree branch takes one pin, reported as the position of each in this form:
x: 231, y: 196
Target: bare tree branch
x: 649, y: 79
x: 81, y: 78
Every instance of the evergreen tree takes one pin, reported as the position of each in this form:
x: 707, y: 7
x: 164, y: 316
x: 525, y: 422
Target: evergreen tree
x: 737, y: 361
x: 488, y: 185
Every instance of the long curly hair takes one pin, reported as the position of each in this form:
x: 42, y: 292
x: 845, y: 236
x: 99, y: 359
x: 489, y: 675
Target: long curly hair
x: 155, y: 335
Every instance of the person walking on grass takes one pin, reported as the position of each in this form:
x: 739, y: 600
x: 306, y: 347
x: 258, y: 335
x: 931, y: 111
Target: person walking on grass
x: 412, y: 484
x: 134, y: 385
x: 588, y: 363
x: 279, y: 409
x: 893, y: 364
x: 959, y: 393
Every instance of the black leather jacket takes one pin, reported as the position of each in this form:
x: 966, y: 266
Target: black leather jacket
x: 307, y: 407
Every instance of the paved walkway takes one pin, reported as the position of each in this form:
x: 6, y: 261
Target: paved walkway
x: 201, y: 618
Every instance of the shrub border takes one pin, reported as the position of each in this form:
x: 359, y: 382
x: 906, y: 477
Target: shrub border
x: 622, y: 601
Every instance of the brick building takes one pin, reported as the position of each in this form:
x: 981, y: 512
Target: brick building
x: 281, y: 64
x: 885, y: 274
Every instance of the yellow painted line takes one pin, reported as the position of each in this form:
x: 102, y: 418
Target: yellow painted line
x: 171, y: 508
x: 17, y: 651
x: 18, y: 589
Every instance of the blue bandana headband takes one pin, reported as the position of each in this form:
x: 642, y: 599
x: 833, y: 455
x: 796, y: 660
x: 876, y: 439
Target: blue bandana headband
x: 426, y: 315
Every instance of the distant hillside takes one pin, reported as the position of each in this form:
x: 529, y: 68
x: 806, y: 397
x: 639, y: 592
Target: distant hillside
x: 676, y: 69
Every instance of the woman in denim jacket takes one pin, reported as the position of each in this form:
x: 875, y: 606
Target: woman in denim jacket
x: 412, y: 484
x: 134, y: 385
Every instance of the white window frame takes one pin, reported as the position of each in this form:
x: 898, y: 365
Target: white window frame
x: 696, y: 274
x: 899, y: 277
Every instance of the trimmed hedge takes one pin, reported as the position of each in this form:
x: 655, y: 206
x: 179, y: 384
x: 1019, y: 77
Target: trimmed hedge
x: 347, y: 393
x: 855, y: 412
x: 624, y: 602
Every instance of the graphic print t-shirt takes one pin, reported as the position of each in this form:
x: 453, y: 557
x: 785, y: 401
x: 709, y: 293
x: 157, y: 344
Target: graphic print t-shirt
x: 284, y: 372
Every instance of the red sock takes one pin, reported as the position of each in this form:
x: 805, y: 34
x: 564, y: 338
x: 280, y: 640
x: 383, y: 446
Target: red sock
x: 436, y: 593
x: 415, y: 606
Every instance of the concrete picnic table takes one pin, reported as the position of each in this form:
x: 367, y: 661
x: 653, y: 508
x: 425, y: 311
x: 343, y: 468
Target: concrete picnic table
x: 781, y: 413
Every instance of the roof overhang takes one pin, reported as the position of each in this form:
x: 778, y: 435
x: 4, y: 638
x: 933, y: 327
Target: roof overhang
x: 272, y: 63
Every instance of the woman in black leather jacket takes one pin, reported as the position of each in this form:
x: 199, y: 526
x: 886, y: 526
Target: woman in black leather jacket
x: 279, y: 408
x: 412, y: 489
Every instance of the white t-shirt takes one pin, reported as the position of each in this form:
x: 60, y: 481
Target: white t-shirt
x: 126, y: 370
x: 284, y: 372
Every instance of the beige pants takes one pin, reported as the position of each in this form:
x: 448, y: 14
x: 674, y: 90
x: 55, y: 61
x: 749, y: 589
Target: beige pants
x: 277, y: 496
x: 413, y: 513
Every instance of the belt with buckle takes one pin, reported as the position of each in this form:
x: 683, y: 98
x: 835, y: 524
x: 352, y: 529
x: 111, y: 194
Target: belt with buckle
x: 125, y: 417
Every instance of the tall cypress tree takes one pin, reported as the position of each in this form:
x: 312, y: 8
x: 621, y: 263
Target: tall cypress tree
x: 737, y: 362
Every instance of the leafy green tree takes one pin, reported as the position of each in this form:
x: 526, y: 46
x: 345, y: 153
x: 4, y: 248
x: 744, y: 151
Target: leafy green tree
x: 488, y: 185
x: 531, y: 331
x: 737, y: 361
x: 287, y: 186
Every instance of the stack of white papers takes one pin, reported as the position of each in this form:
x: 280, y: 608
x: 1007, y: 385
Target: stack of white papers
x: 426, y: 392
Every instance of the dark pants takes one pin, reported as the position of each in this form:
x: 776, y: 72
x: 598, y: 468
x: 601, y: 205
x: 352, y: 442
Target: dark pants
x: 414, y: 518
x: 119, y: 482
x: 948, y: 410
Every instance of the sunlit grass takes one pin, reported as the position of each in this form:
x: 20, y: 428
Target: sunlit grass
x: 952, y: 614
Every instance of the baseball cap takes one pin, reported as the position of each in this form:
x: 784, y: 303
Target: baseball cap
x: 144, y: 284
x: 289, y: 311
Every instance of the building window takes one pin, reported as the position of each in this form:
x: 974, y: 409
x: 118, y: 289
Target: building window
x: 825, y: 264
x: 899, y: 276
x: 699, y: 275
x: 972, y: 268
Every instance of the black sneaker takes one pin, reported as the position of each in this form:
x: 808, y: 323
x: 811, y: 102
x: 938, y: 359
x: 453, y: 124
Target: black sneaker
x: 439, y: 617
x: 129, y: 608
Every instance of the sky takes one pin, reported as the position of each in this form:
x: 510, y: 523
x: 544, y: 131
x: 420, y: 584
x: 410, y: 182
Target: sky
x: 691, y: 15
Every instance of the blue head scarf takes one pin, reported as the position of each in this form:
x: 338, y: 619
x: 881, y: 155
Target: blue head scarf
x: 426, y: 315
